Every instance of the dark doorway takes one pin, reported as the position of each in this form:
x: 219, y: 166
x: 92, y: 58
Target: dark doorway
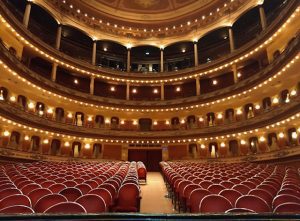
x: 150, y: 158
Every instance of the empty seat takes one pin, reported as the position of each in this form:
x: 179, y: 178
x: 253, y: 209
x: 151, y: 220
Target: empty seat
x: 214, y: 204
x: 254, y: 203
x: 239, y: 210
x: 28, y: 188
x: 66, y: 208
x: 47, y: 201
x: 70, y: 183
x: 17, y: 199
x: 92, y: 203
x: 215, y: 188
x: 105, y: 195
x: 262, y: 194
x: 85, y: 188
x: 195, y: 198
x: 231, y: 195
x: 243, y: 189
x: 128, y: 199
x: 17, y: 209
x: 285, y: 198
x: 71, y: 193
x: 57, y: 187
x: 47, y: 183
x: 7, y: 192
x: 288, y: 208
x: 36, y: 194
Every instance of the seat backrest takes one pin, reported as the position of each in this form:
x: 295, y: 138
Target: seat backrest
x: 92, y: 203
x: 66, y: 208
x: 128, y: 195
x: 205, y: 184
x: 70, y: 183
x: 47, y: 183
x: 227, y: 184
x: 262, y: 194
x: 285, y: 198
x: 47, y: 201
x: 71, y: 193
x: 92, y: 183
x: 214, y: 204
x: 18, y: 199
x: 104, y: 194
x: 17, y: 209
x: 231, y: 195
x: 9, y: 191
x: 85, y: 188
x: 243, y: 189
x: 215, y: 188
x: 254, y: 203
x: 239, y: 210
x: 288, y: 208
x: 195, y: 198
x: 57, y: 187
x: 110, y: 188
x: 36, y: 194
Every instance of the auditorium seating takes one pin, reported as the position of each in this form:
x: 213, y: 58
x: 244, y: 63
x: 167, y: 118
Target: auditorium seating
x: 232, y: 187
x: 69, y: 187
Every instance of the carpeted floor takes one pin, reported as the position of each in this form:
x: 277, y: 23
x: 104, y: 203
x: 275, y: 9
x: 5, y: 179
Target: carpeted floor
x: 153, y: 195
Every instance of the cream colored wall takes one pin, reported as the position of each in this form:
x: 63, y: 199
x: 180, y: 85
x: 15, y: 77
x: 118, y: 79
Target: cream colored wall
x: 10, y: 41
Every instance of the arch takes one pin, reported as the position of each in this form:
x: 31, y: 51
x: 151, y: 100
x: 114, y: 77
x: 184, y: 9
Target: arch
x: 233, y: 147
x: 37, y: 3
x: 3, y: 93
x: 55, y: 147
x: 213, y: 149
x: 229, y: 115
x: 14, y: 140
x: 59, y: 114
x: 253, y: 141
x: 97, y: 150
x: 79, y: 118
x: 76, y: 149
x: 292, y: 141
x: 267, y: 103
x: 145, y: 124
x: 284, y: 96
x: 35, y: 143
x: 99, y: 120
x: 272, y: 138
x: 243, y: 14
x: 22, y: 101
x: 68, y: 26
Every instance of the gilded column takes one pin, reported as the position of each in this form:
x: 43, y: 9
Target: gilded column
x: 197, y: 86
x: 231, y: 39
x: 263, y: 19
x: 94, y: 54
x: 27, y: 14
x: 161, y: 60
x: 196, y: 53
x: 92, y: 85
x: 58, y: 37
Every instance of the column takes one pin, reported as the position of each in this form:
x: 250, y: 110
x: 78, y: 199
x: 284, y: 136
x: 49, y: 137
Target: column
x: 128, y: 59
x: 263, y: 19
x: 196, y: 53
x: 58, y: 37
x: 161, y: 60
x: 235, y: 73
x: 27, y: 14
x: 94, y: 52
x: 127, y: 91
x: 92, y: 83
x: 162, y: 91
x: 231, y: 39
x: 53, y: 72
x: 197, y: 86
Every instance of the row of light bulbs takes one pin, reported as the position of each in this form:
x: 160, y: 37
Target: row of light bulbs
x: 31, y: 105
x: 167, y: 141
x: 259, y: 86
x: 73, y: 68
x: 187, y: 23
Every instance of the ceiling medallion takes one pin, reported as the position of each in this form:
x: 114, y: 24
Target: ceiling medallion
x: 146, y: 3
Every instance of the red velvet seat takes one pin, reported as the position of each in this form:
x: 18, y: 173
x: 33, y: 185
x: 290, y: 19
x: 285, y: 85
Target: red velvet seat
x: 10, y: 191
x: 231, y: 195
x: 243, y: 189
x: 288, y: 208
x: 262, y: 194
x: 128, y: 199
x: 195, y: 198
x: 70, y: 183
x: 92, y: 183
x: 28, y: 188
x: 16, y: 209
x: 285, y: 198
x: 254, y: 203
x: 71, y: 193
x: 57, y: 187
x: 214, y: 204
x: 205, y: 184
x: 227, y: 184
x: 17, y: 199
x: 105, y: 195
x: 66, y: 208
x: 36, y: 194
x: 47, y: 183
x: 92, y: 203
x: 47, y: 201
x: 239, y: 210
x: 84, y: 188
x: 215, y: 188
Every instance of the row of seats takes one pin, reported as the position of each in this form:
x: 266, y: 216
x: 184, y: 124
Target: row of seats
x: 240, y: 187
x: 142, y: 171
x: 69, y: 187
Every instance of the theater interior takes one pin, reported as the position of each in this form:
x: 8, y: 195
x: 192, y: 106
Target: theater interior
x: 149, y: 110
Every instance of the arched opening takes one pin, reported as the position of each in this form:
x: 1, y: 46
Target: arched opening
x: 193, y: 150
x: 76, y: 149
x: 41, y: 67
x: 42, y: 24
x: 213, y: 149
x: 179, y: 56
x: 79, y: 119
x: 111, y: 55
x: 267, y: 103
x: 145, y: 59
x: 249, y: 110
x: 3, y: 93
x: 175, y: 123
x: 76, y: 43
x: 145, y: 124
x: 229, y: 115
x: 284, y: 96
x: 234, y: 147
x: 210, y: 119
x: 99, y: 121
x: 292, y: 137
x: 55, y: 147
x: 247, y: 27
x: 17, y: 7
x: 97, y: 150
x: 273, y: 8
x: 59, y: 114
x: 114, y: 123
x: 40, y: 108
x: 213, y: 45
x: 191, y: 122
x: 208, y: 85
x: 22, y: 101
x: 35, y: 143
x: 253, y: 141
x: 14, y: 140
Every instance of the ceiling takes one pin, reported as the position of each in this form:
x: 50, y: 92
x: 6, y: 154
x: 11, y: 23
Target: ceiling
x: 146, y: 11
